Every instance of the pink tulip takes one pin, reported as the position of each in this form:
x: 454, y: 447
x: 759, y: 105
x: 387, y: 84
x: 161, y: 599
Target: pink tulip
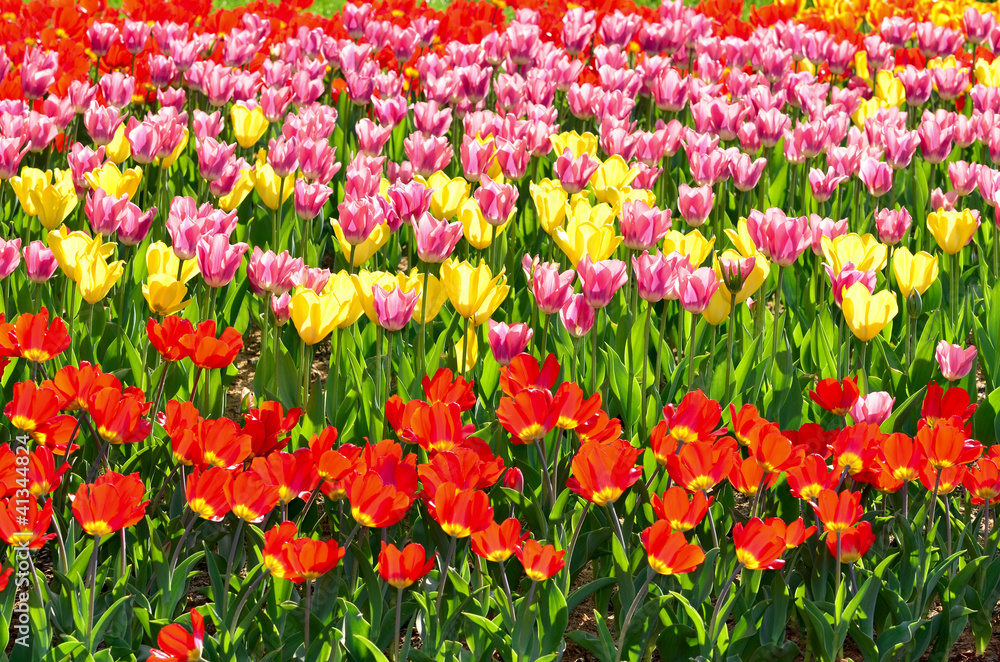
x: 506, y: 342
x: 102, y: 122
x: 283, y: 155
x: 599, y: 281
x: 12, y: 150
x: 394, y: 308
x: 550, y: 287
x: 102, y: 37
x: 935, y: 140
x: 476, y: 157
x: 38, y: 71
x: 213, y: 156
x: 218, y: 260
x: 735, y: 271
x: 943, y: 201
x: 104, y: 211
x: 279, y: 306
x: 135, y: 224
x: 497, y: 201
x: 779, y: 237
x: 874, y: 408
x: 900, y: 146
x: 269, y: 273
x: 39, y: 262
x: 575, y: 173
x: 643, y: 226
x: 656, y: 274
x: 144, y: 141
x: 746, y: 172
x: 427, y: 154
x: 978, y: 27
x: 824, y: 184
x: 695, y: 204
x: 359, y: 218
x: 577, y: 316
x: 955, y: 362
x: 310, y: 197
x: 117, y: 88
x: 825, y: 227
x: 513, y: 157
x: 207, y: 125
x: 436, y: 239
x: 134, y: 36
x: 372, y: 137
x: 876, y: 175
x: 892, y: 225
x: 10, y: 256
x: 917, y: 83
x: 698, y: 289
x: 313, y: 278
x: 963, y: 176
x: 847, y: 277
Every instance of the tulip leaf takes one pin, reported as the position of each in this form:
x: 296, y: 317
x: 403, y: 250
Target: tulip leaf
x: 779, y: 185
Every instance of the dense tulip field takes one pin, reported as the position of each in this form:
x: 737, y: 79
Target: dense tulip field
x: 534, y: 332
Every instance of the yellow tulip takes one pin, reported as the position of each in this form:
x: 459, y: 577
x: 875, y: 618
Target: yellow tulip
x: 617, y: 197
x: 576, y: 143
x: 888, y: 88
x: 364, y: 281
x: 740, y: 238
x: 586, y: 238
x: 119, y: 149
x: 866, y: 313
x: 312, y: 315
x: 436, y: 296
x: 550, y: 204
x: 234, y: 198
x: 867, y: 108
x: 914, y: 272
x: 161, y: 260
x: 165, y: 294
x: 249, y: 125
x: 171, y: 158
x: 348, y: 307
x: 718, y: 308
x: 478, y: 232
x: 861, y: 64
x: 757, y: 277
x: 97, y: 276
x: 952, y: 229
x: 474, y: 292
x: 363, y: 251
x: 268, y: 185
x: 988, y: 73
x: 114, y: 181
x: 692, y: 244
x: 865, y: 252
x: 448, y: 196
x: 613, y: 173
x: 72, y: 249
x: 580, y: 210
x: 49, y: 195
x: 943, y: 63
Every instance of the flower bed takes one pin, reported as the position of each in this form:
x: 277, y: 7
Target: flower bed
x: 416, y: 334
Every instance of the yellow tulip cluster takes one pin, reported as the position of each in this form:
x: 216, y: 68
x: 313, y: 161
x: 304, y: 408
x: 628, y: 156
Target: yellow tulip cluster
x: 84, y: 260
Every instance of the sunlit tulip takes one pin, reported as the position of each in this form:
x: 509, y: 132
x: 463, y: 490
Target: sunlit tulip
x: 550, y: 204
x: 955, y: 362
x: 474, y: 292
x: 914, y: 273
x: 867, y: 314
x: 115, y: 182
x: 448, y: 196
x: 165, y: 294
x: 49, y: 195
x: 248, y: 125
x: 863, y: 251
x: 952, y: 229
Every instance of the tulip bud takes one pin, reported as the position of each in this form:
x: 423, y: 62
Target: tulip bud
x: 246, y: 400
x: 514, y: 479
x: 914, y: 305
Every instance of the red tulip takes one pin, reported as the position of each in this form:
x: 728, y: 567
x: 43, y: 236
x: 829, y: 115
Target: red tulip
x: 758, y: 546
x: 165, y: 336
x: 808, y: 479
x: 207, y: 493
x: 376, y: 504
x: 601, y: 473
x: 527, y: 416
x: 838, y: 511
x: 854, y: 543
x: 835, y: 396
x: 794, y: 533
x: 540, y: 561
x: 523, y: 372
x: 32, y: 337
x: 111, y: 503
x: 401, y: 568
x: 31, y: 406
x: 311, y: 559
x: 275, y: 552
x: 694, y: 419
x: 945, y: 446
x: 983, y: 482
x: 251, y: 497
x: 668, y: 552
x: 24, y: 524
x: 498, y: 542
x: 460, y: 513
x: 682, y: 511
x: 176, y: 644
x: 443, y: 388
x: 207, y: 351
x: 699, y: 465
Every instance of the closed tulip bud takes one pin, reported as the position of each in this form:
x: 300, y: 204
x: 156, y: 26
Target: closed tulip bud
x: 955, y: 362
x: 698, y: 289
x: 892, y: 225
x: 506, y: 342
x: 735, y: 271
x: 600, y: 280
x: 874, y: 408
x: 914, y: 305
x: 279, y: 306
x: 914, y: 273
x: 577, y: 316
x: 436, y: 239
x: 513, y: 479
x: 310, y: 198
x: 39, y: 262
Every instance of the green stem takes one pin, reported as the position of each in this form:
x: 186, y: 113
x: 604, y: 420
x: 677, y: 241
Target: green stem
x: 645, y: 368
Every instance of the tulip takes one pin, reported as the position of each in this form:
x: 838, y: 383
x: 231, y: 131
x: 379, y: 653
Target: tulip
x: 401, y: 568
x: 850, y: 545
x: 248, y: 125
x: 506, y: 342
x: 874, y: 408
x: 435, y: 239
x: 577, y: 316
x: 955, y: 362
x: 165, y: 294
x: 778, y: 237
x: 575, y: 171
x: 394, y: 308
x: 867, y: 314
x: 218, y: 260
x: 268, y: 273
x: 892, y: 225
x: 39, y: 262
x: 550, y: 204
x: 115, y: 182
x: 540, y: 562
x: 314, y: 317
x: 550, y: 287
x: 643, y: 226
x: 952, y: 230
x: 50, y: 202
x: 601, y: 473
x: 758, y: 546
x: 97, y: 276
x: 914, y: 273
x: 695, y: 204
x: 600, y: 280
x: 474, y: 292
x: 865, y: 253
x: 876, y: 175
